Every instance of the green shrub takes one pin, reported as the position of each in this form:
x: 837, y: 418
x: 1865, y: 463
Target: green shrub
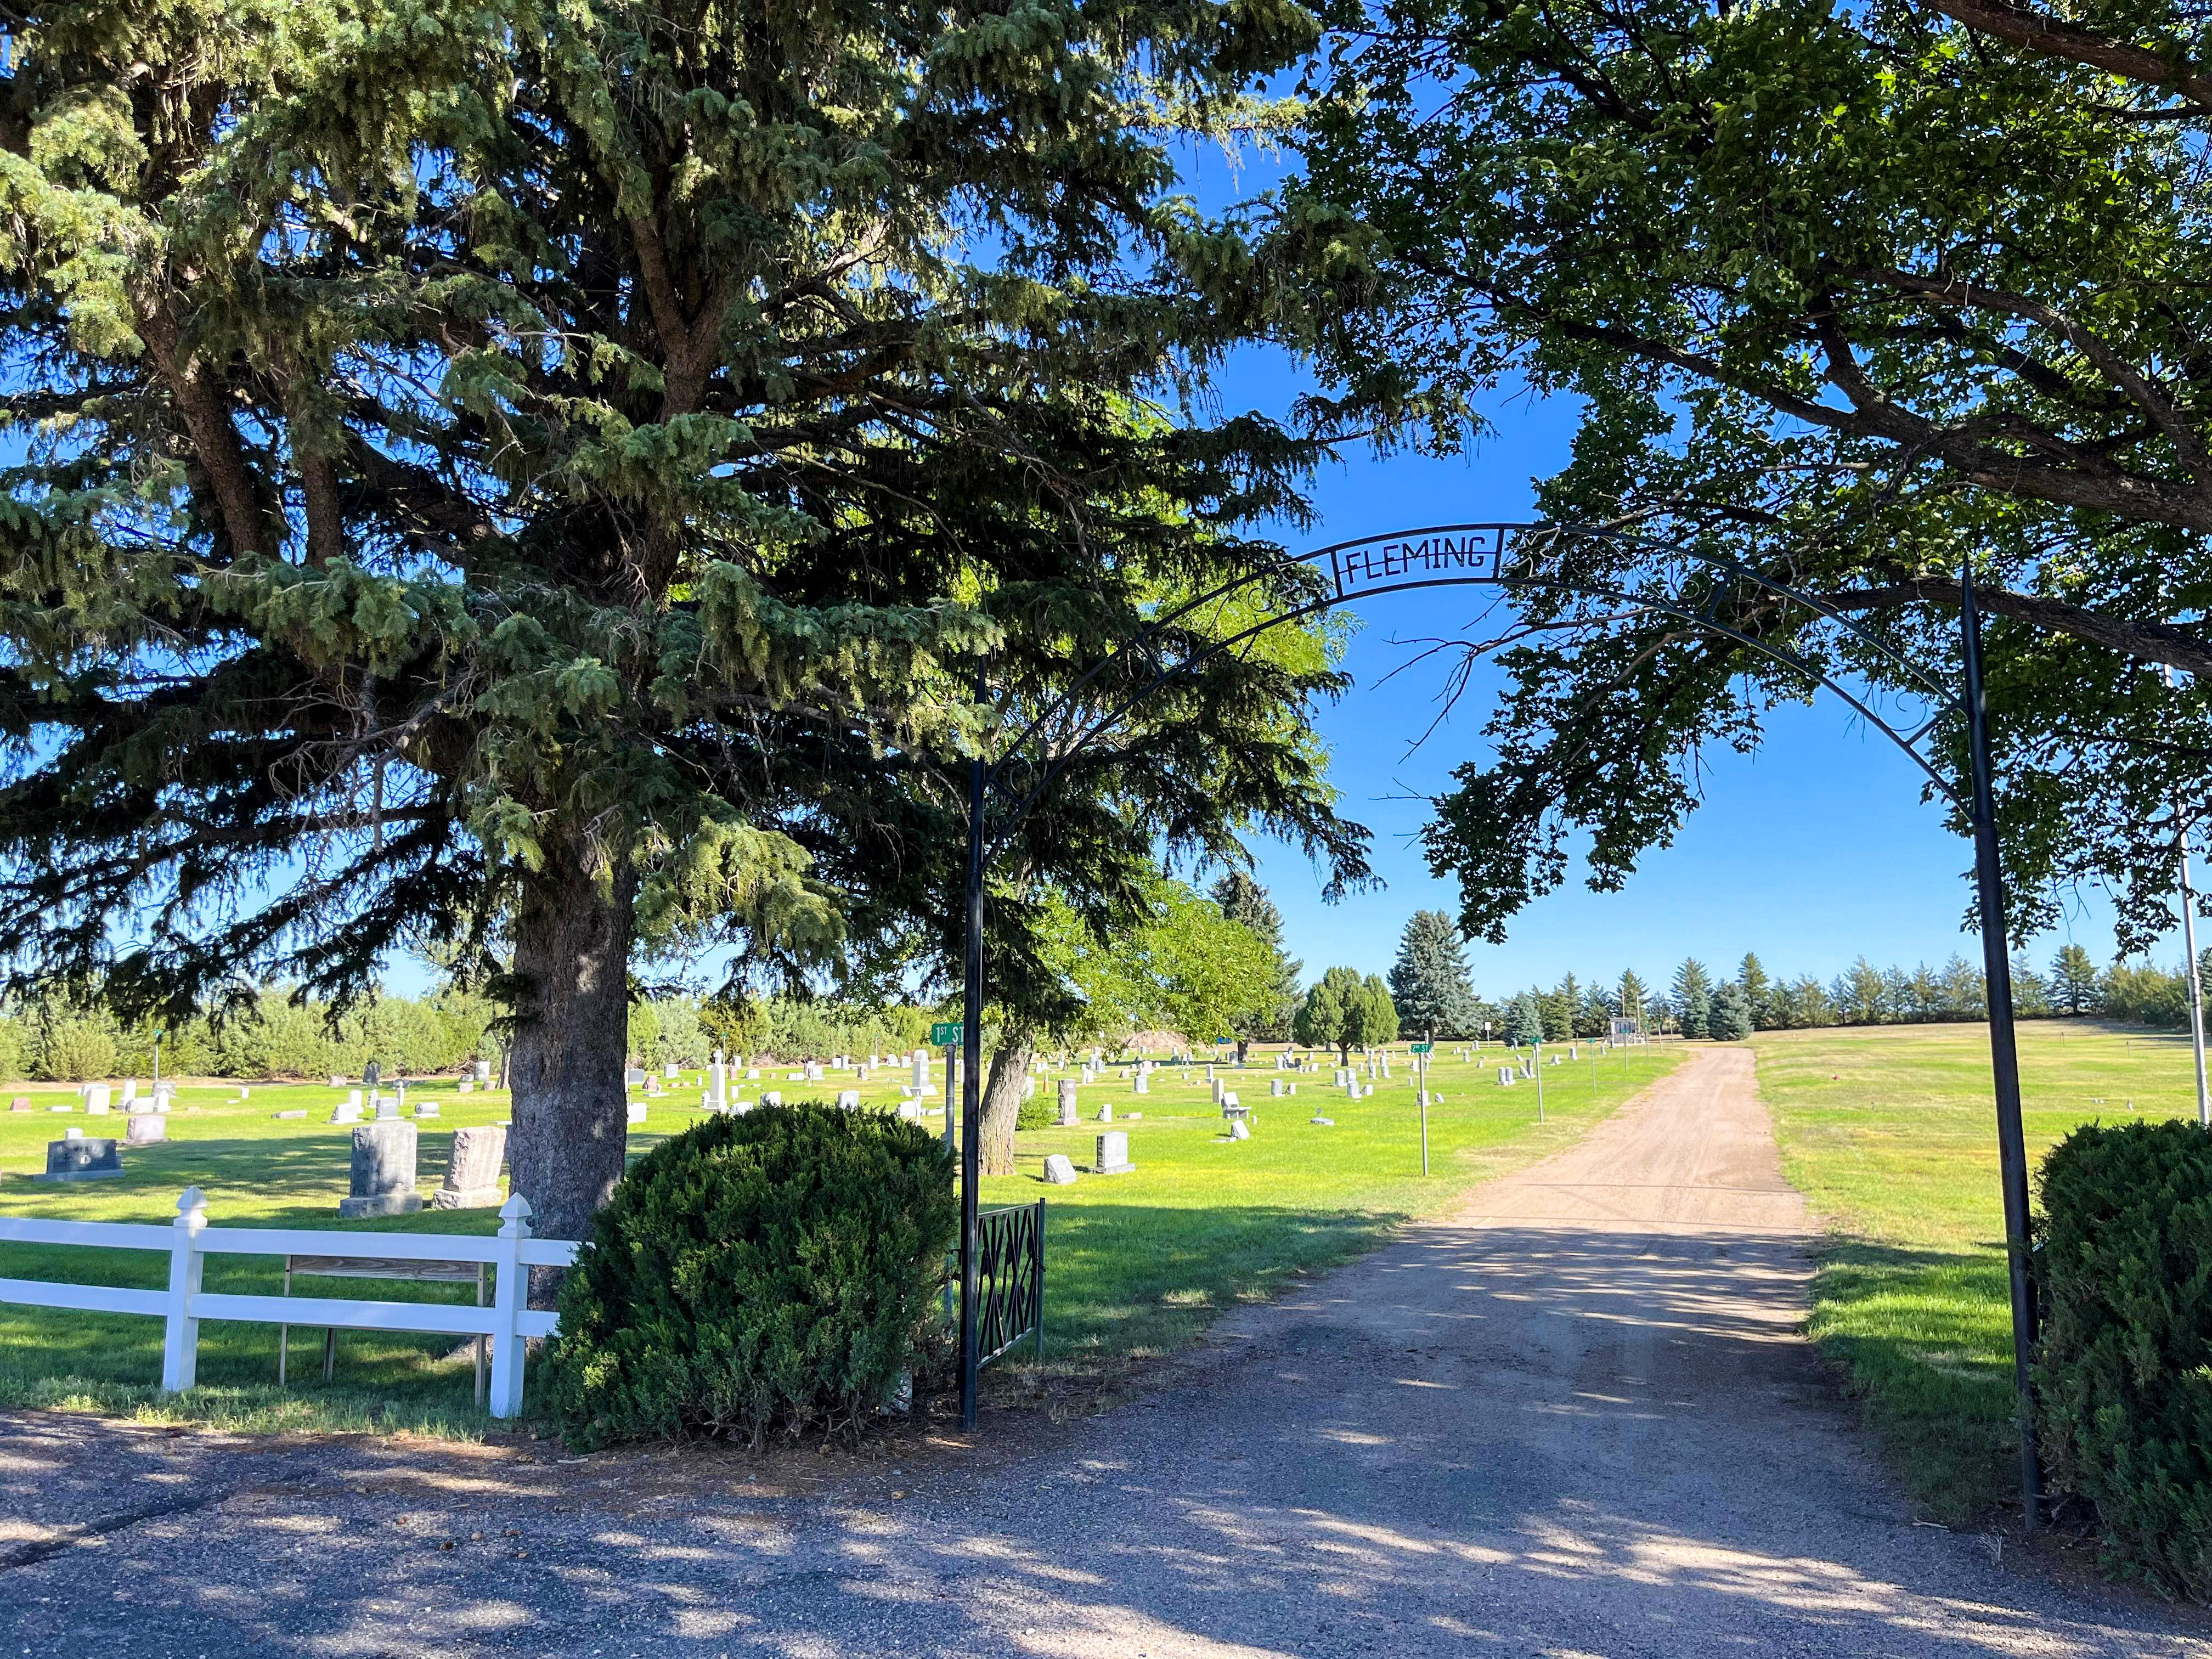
x: 1038, y: 1111
x: 771, y: 1271
x: 2124, y: 1376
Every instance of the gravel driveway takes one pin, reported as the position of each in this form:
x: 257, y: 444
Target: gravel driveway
x: 1575, y: 1420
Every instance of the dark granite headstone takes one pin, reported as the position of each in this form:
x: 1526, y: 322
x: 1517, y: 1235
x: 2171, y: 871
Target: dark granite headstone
x: 85, y: 1159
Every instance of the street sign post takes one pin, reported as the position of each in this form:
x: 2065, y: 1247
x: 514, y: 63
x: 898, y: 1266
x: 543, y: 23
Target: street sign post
x: 945, y: 1033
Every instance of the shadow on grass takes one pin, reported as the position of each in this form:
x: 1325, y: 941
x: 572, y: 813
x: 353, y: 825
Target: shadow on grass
x: 112, y: 1362
x: 1925, y: 1338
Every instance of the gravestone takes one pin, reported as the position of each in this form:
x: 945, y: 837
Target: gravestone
x: 482, y: 1073
x: 95, y: 1098
x: 472, y: 1172
x: 1325, y: 1122
x: 1219, y: 1088
x: 337, y: 1082
x: 63, y: 1108
x: 427, y: 1109
x: 1142, y: 1083
x: 129, y: 1093
x: 849, y: 1099
x: 634, y: 1112
x: 668, y: 1073
x: 1112, y: 1154
x: 388, y: 1109
x: 383, y: 1170
x: 632, y: 1076
x: 282, y: 1117
x: 371, y: 1075
x: 772, y: 1098
x: 1505, y: 1076
x: 89, y: 1158
x: 1106, y: 1113
x: 345, y: 1112
x: 353, y: 1098
x: 909, y: 1112
x: 20, y: 1104
x: 1239, y: 1130
x: 1275, y: 1087
x: 1066, y: 1089
x: 145, y: 1130
x: 1059, y: 1171
x: 752, y: 1074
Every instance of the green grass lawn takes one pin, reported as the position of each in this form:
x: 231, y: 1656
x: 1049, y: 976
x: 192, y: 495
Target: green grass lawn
x: 1136, y: 1264
x: 1891, y: 1134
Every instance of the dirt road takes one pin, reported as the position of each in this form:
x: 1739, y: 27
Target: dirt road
x: 1575, y: 1420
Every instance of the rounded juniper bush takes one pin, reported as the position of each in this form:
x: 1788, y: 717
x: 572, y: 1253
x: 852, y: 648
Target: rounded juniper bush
x: 766, y: 1273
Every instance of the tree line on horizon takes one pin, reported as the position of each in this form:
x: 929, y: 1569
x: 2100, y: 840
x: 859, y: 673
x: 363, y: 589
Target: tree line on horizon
x: 1433, y: 993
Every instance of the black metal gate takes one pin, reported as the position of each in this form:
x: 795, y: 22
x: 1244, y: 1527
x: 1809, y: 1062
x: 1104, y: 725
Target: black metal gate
x: 1009, y: 1279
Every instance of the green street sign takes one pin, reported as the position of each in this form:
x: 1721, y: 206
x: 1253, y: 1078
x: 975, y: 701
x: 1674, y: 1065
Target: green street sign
x: 945, y: 1033
x: 1420, y: 1048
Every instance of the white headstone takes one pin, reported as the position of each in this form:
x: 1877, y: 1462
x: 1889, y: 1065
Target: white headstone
x: 130, y: 1090
x: 849, y: 1099
x: 1106, y: 1113
x: 632, y: 1076
x: 1059, y: 1171
x: 1112, y: 1154
x: 772, y: 1098
x: 145, y: 1129
x: 637, y: 1111
x: 95, y: 1098
x: 1275, y: 1087
x: 1239, y: 1130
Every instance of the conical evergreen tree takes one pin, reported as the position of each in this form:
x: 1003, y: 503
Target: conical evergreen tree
x: 1692, y: 996
x: 1429, y: 982
x: 1730, y: 1019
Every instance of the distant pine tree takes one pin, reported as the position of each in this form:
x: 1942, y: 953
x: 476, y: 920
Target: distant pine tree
x: 1730, y: 1019
x: 2076, y: 985
x: 1693, y: 997
x: 1243, y: 900
x: 1429, y: 982
x: 1524, y: 1025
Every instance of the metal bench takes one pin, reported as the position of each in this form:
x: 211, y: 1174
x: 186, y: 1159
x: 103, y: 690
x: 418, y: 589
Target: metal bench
x: 336, y: 1266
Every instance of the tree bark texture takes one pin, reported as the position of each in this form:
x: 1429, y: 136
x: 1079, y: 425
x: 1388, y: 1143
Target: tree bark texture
x: 570, y: 1131
x: 1002, y: 1105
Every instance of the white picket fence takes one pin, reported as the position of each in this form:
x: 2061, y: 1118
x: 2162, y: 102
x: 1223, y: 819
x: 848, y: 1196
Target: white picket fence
x: 189, y: 1241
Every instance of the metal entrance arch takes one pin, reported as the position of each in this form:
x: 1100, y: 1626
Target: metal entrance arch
x: 1527, y: 556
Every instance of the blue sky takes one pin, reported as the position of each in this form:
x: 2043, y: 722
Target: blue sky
x: 1811, y: 852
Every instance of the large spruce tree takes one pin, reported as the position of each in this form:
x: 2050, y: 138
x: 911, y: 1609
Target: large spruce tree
x: 1429, y: 981
x: 553, y: 474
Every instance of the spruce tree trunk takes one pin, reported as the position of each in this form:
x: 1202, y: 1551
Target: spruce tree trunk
x: 571, y: 942
x: 1002, y: 1104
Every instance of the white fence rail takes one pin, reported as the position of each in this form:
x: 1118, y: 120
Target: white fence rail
x: 189, y: 1241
